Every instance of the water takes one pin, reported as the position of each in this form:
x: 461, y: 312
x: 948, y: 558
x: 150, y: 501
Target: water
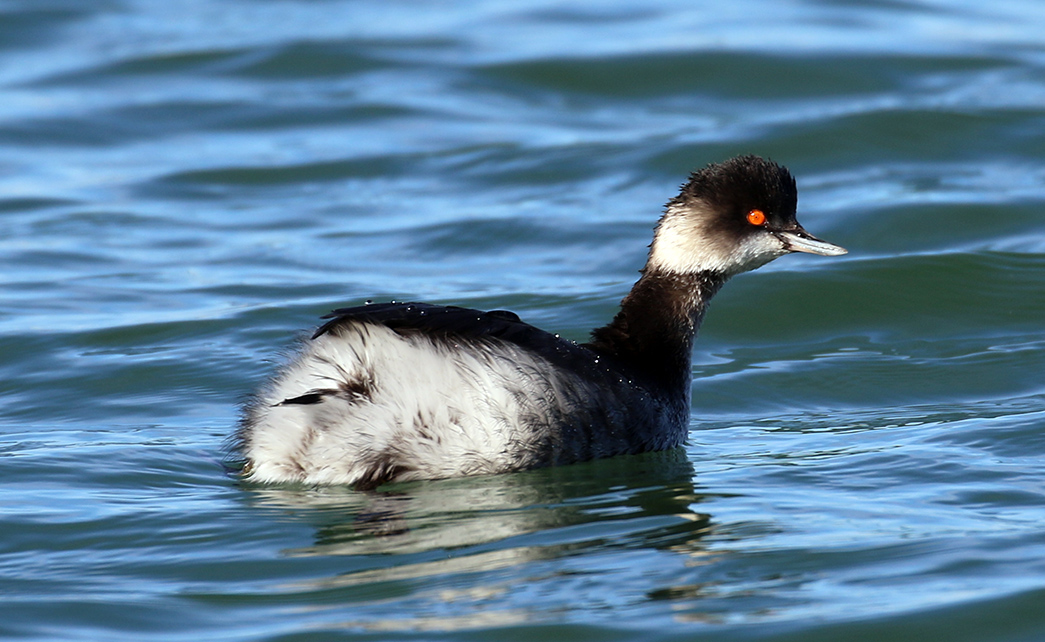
x: 185, y: 187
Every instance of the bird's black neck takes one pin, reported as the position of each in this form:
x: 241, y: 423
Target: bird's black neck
x: 653, y: 332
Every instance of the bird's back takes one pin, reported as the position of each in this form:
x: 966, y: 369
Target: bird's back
x: 399, y: 391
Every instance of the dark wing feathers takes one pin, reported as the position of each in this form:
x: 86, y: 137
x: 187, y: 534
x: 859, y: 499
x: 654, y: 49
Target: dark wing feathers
x: 468, y: 324
x: 433, y: 319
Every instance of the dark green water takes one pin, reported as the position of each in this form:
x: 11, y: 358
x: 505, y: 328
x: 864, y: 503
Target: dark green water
x: 185, y: 187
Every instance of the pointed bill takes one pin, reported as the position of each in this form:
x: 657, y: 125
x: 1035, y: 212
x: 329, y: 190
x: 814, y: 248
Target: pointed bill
x: 801, y: 241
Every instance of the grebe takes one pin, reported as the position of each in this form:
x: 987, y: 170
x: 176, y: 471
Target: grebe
x: 407, y: 391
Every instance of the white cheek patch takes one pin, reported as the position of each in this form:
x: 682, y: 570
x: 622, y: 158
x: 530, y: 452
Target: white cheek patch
x: 755, y: 251
x: 683, y: 244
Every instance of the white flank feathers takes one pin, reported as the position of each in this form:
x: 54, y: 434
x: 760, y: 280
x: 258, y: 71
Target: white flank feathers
x: 447, y: 409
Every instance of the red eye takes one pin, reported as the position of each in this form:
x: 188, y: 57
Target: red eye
x: 756, y: 217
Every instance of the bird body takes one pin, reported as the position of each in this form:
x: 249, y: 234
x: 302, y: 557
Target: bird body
x: 406, y: 391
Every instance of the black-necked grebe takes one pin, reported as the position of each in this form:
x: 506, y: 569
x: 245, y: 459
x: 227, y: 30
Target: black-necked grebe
x: 405, y: 391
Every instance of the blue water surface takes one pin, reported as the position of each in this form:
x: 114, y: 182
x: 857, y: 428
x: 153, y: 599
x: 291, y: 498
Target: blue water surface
x: 185, y: 187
